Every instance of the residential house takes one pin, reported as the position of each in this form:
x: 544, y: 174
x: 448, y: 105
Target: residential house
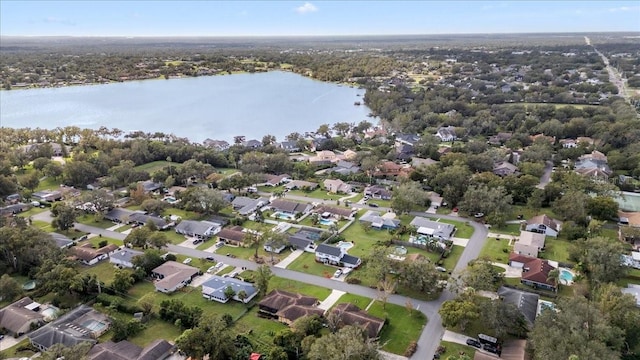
x: 276, y: 180
x: 301, y: 185
x: 253, y: 143
x: 21, y: 317
x: 47, y: 196
x: 290, y: 207
x: 143, y: 219
x: 542, y: 137
x: 377, y: 192
x: 13, y: 209
x: 234, y: 235
x: 333, y: 255
x: 535, y: 272
x: 273, y: 247
x: 150, y: 186
x: 216, y: 287
x: 288, y: 307
x: 433, y: 229
x: 13, y: 199
x: 337, y: 213
x: 379, y: 221
x: 593, y: 165
x: 544, y: 225
x: 529, y: 243
x: 350, y: 314
x: 504, y: 168
x: 124, y: 350
x: 61, y: 241
x: 569, y: 143
x: 172, y: 276
x: 633, y: 290
x: 323, y: 157
x: 388, y: 168
x: 219, y: 145
x: 345, y: 168
x: 417, y: 162
x: 447, y: 133
x: 525, y: 301
x: 317, y: 143
x: 305, y: 239
x: 124, y: 257
x: 632, y: 260
x: 198, y: 229
x: 289, y: 146
x: 82, y: 324
x: 119, y: 215
x: 336, y: 186
x: 436, y: 199
x: 406, y: 139
x: 500, y: 138
x: 245, y: 205
x: 90, y: 256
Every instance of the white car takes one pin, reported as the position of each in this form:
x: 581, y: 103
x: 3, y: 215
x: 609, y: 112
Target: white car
x: 187, y: 261
x: 337, y: 273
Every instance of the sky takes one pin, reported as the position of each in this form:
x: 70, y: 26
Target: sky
x: 304, y: 18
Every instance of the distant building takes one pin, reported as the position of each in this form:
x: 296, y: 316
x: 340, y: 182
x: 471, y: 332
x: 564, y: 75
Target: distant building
x: 20, y: 317
x: 215, y: 289
x: 172, y: 276
x: 82, y: 324
x: 447, y: 133
x: 124, y: 257
x: 288, y: 307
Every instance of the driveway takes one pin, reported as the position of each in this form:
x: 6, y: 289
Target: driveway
x: 199, y: 280
x: 289, y: 259
x: 10, y: 341
x: 546, y: 176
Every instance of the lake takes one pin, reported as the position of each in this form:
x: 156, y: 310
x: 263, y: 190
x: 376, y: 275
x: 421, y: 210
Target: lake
x: 216, y: 107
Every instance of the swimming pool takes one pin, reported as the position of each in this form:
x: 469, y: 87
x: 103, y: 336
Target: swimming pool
x: 170, y: 199
x: 29, y: 285
x: 326, y: 222
x: 566, y: 276
x: 93, y: 325
x: 282, y: 216
x: 346, y: 245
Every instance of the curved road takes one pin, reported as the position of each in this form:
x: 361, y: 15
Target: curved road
x: 433, y: 331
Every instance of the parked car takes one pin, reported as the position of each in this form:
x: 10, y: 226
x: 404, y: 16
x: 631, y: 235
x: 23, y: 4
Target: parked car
x: 475, y: 343
x: 187, y: 261
x: 492, y: 349
x: 455, y: 209
x: 337, y: 273
x: 441, y: 269
x: 219, y: 265
x: 230, y: 255
x: 478, y: 215
x: 211, y: 269
x: 197, y: 241
x: 374, y: 205
x: 210, y: 258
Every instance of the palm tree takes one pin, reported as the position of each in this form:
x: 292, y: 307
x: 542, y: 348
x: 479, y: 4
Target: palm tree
x: 554, y: 275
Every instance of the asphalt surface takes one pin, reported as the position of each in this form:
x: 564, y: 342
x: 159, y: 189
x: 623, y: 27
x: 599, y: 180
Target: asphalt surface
x: 432, y: 332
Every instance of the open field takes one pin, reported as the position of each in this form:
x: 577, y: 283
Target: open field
x: 403, y: 326
x: 156, y: 165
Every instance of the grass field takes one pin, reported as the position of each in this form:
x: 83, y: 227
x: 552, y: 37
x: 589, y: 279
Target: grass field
x: 494, y: 249
x: 403, y: 326
x: 360, y: 301
x: 463, y: 230
x: 258, y: 329
x: 316, y: 194
x: 156, y: 165
x: 507, y: 229
x: 306, y: 263
x: 90, y: 220
x: 556, y: 249
x: 298, y: 287
x: 455, y: 349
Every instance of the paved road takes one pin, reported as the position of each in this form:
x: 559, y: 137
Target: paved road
x: 433, y: 331
x: 546, y: 176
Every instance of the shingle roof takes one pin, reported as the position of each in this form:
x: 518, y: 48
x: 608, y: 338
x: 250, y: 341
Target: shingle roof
x: 87, y: 253
x: 526, y: 302
x: 68, y: 329
x: 544, y: 219
x: 234, y: 233
x: 345, y: 212
x: 329, y: 250
x: 352, y: 315
x: 289, y: 206
x: 538, y: 271
x: 433, y: 228
x: 16, y: 318
x: 174, y: 273
x: 124, y: 350
x: 61, y: 240
x: 126, y: 254
x: 219, y: 284
x: 195, y: 227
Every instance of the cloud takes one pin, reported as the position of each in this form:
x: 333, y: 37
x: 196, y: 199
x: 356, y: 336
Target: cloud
x: 624, y: 8
x: 306, y: 8
x: 55, y: 20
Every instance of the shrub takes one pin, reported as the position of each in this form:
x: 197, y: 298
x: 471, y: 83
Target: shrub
x: 355, y: 281
x: 411, y: 349
x: 102, y: 243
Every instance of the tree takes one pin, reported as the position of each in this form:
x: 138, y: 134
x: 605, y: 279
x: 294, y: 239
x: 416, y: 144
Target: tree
x: 350, y: 340
x: 203, y: 200
x: 323, y: 130
x: 408, y: 197
x: 30, y: 181
x: 122, y: 281
x: 308, y: 325
x: 554, y: 276
x: 138, y: 237
x: 148, y: 261
x: 493, y: 202
x: 79, y: 173
x: 60, y: 351
x: 535, y: 200
x: 452, y: 182
x: 101, y: 200
x: 146, y: 303
x: 56, y: 276
x: 458, y: 312
x: 386, y: 288
x: 573, y: 205
x: 229, y: 292
x: 420, y: 276
x: 602, y: 207
x: 263, y: 277
x: 481, y: 275
x: 158, y: 239
x: 620, y: 309
x: 275, y: 240
x: 53, y: 170
x: 9, y: 288
x: 600, y: 258
x: 65, y: 218
x: 210, y: 337
x: 503, y: 318
x: 577, y: 328
x: 154, y: 206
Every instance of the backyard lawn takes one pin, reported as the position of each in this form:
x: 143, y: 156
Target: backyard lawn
x: 156, y: 165
x: 258, y: 329
x: 507, y: 229
x: 90, y: 220
x: 306, y: 263
x: 528, y: 213
x: 49, y: 183
x: 360, y: 301
x: 455, y: 349
x: 494, y: 249
x: 316, y: 194
x: 463, y: 230
x: 298, y: 287
x: 556, y: 249
x: 104, y: 270
x: 401, y: 328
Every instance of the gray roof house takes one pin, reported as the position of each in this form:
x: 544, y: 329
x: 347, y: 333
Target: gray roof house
x: 446, y: 133
x: 143, y: 219
x: 433, y: 228
x: 172, y: 276
x: 79, y: 325
x: 124, y: 257
x: 633, y: 290
x: 214, y: 289
x: 61, y: 241
x: 526, y: 302
x: 379, y: 221
x: 334, y: 255
x: 290, y: 207
x: 377, y: 192
x: 305, y: 239
x: 17, y: 318
x: 124, y: 350
x: 199, y: 229
x: 290, y: 146
x: 345, y: 168
x: 245, y: 205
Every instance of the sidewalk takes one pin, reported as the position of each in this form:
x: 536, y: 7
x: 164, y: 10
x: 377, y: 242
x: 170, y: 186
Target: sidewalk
x: 327, y: 303
x: 454, y: 337
x: 289, y: 259
x: 460, y: 241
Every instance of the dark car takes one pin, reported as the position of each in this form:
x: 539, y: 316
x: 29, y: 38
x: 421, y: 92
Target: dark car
x: 210, y: 258
x: 491, y: 348
x: 374, y: 205
x: 475, y: 343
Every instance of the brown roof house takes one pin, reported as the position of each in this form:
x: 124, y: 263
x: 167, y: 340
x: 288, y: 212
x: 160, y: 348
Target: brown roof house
x: 90, y: 256
x: 544, y: 225
x: 535, y: 272
x: 529, y: 243
x: 290, y: 207
x: 233, y: 235
x: 504, y: 168
x: 336, y: 212
x: 124, y: 350
x: 172, y: 276
x: 337, y: 186
x: 21, y: 316
x: 288, y: 307
x: 352, y: 315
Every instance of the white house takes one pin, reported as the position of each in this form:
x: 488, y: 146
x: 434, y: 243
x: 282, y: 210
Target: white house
x: 124, y: 257
x: 215, y: 288
x: 199, y: 229
x: 172, y: 276
x: 544, y: 225
x: 447, y: 133
x: 90, y: 256
x: 529, y: 243
x: 334, y: 255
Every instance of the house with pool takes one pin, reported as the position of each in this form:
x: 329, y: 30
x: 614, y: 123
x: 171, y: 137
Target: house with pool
x: 535, y: 272
x: 289, y: 209
x: 380, y: 221
x: 432, y: 229
x: 82, y: 324
x: 337, y: 256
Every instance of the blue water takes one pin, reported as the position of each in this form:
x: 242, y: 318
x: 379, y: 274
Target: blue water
x: 216, y: 107
x: 565, y: 275
x: 326, y: 222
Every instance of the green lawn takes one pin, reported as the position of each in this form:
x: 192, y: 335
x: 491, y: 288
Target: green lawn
x: 455, y: 349
x: 364, y: 240
x: 317, y: 194
x: 97, y: 239
x: 32, y: 211
x: 494, y: 249
x: 529, y: 213
x: 188, y: 215
x: 46, y: 227
x: 90, y: 220
x: 507, y: 229
x: 49, y: 184
x: 298, y: 287
x: 463, y: 230
x: 104, y: 270
x: 43, y: 225
x: 360, y: 301
x: 156, y: 165
x: 174, y: 237
x: 13, y: 352
x: 306, y: 263
x: 257, y: 329
x: 556, y: 249
x: 401, y: 328
x: 450, y: 261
